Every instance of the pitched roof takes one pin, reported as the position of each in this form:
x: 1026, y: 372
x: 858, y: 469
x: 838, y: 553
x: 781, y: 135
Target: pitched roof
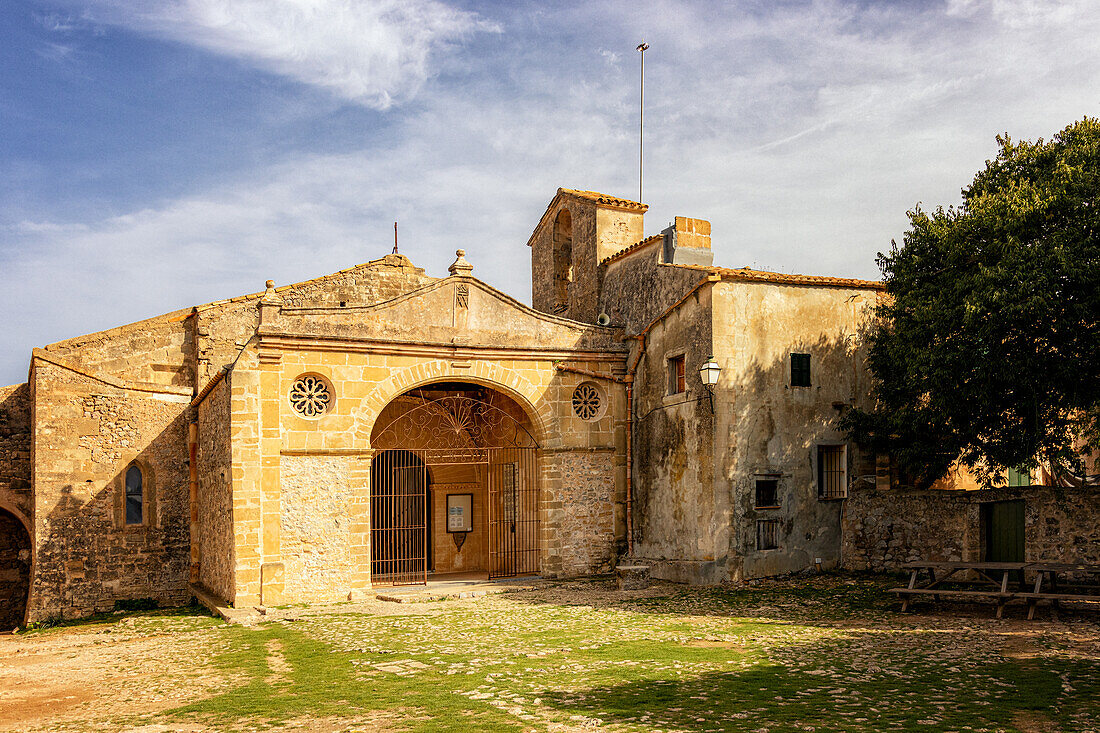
x: 745, y: 274
x: 594, y: 196
x: 632, y: 248
x: 394, y: 260
x: 603, y: 198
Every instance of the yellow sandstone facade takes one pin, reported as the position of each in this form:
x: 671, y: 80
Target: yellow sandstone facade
x: 313, y: 441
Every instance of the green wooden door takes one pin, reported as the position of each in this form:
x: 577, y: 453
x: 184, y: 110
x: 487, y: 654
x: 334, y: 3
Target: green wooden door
x: 1004, y: 525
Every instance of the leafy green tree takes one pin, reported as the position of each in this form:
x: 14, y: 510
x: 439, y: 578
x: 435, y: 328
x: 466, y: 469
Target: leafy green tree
x: 987, y: 352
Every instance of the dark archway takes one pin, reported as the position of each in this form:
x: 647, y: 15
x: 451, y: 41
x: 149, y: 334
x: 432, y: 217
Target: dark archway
x: 479, y: 449
x: 15, y: 570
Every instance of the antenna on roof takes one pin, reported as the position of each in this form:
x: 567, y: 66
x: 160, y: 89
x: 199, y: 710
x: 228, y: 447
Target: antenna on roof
x: 641, y: 115
x: 395, y: 237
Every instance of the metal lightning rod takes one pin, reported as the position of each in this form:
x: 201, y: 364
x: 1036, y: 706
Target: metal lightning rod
x: 641, y: 115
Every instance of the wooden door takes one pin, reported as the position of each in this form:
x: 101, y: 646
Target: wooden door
x: 1004, y: 527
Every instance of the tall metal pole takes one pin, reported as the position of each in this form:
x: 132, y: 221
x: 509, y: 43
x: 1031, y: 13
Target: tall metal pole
x: 641, y: 115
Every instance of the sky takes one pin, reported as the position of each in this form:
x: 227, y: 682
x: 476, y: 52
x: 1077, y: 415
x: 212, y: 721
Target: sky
x: 157, y: 154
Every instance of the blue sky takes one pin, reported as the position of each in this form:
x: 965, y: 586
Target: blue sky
x: 156, y: 155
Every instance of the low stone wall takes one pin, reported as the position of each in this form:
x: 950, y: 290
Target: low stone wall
x: 882, y: 529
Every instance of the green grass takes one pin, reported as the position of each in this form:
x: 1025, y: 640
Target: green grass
x: 770, y: 657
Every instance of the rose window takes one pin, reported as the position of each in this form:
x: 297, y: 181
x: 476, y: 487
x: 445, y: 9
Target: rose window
x: 310, y: 396
x: 587, y: 401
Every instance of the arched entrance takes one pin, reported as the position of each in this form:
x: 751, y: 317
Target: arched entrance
x: 15, y: 570
x: 454, y: 486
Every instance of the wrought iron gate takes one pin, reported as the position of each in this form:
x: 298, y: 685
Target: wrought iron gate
x: 452, y: 431
x: 399, y: 510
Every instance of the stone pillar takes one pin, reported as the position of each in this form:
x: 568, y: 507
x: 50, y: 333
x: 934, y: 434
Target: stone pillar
x: 271, y: 568
x: 359, y: 527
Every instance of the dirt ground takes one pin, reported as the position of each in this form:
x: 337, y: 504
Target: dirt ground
x: 88, y: 677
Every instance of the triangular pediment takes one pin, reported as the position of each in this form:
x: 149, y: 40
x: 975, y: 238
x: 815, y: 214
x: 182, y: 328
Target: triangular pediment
x: 456, y: 310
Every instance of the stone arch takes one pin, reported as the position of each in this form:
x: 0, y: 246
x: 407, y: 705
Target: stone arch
x: 562, y: 249
x: 494, y: 376
x: 16, y: 564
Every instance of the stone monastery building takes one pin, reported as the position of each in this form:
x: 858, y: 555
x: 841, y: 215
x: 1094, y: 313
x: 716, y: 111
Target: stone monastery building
x: 379, y: 426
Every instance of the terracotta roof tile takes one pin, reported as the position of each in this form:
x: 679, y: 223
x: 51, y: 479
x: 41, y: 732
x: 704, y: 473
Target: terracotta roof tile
x: 745, y: 274
x: 632, y: 248
x: 603, y: 198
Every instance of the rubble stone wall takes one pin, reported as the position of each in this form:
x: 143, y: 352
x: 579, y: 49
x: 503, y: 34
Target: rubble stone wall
x: 86, y: 435
x: 215, y: 493
x: 883, y: 529
x: 315, y: 522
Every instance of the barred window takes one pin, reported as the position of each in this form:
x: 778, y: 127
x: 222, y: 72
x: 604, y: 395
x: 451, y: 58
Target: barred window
x: 767, y: 534
x: 832, y: 472
x: 135, y: 496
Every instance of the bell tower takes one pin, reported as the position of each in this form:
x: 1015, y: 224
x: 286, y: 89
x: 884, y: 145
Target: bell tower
x: 578, y: 231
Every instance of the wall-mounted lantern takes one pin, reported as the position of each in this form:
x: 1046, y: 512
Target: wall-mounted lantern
x: 708, y: 375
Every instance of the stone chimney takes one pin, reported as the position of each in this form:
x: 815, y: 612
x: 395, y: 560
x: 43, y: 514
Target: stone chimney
x: 687, y: 242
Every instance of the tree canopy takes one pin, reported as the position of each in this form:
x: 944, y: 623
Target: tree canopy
x: 987, y: 351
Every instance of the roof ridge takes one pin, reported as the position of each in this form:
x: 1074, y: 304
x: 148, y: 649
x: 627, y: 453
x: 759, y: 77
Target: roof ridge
x: 747, y: 274
x: 637, y: 245
x: 282, y: 288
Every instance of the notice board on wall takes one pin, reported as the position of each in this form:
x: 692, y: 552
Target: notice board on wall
x: 460, y: 512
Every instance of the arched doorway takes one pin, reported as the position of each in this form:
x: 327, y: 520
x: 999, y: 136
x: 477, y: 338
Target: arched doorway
x: 15, y: 570
x: 464, y: 456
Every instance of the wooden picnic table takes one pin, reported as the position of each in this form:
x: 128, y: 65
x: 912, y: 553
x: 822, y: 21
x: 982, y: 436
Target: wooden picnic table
x: 993, y: 582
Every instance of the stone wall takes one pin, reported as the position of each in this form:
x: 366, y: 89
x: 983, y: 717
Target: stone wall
x: 474, y: 553
x: 15, y: 449
x: 771, y: 429
x: 224, y: 327
x: 156, y: 351
x: 884, y: 529
x: 681, y: 517
x: 316, y: 505
x: 86, y: 434
x: 585, y: 523
x: 15, y: 570
x: 215, y: 494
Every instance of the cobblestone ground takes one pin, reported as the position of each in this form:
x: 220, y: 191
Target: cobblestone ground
x: 827, y: 653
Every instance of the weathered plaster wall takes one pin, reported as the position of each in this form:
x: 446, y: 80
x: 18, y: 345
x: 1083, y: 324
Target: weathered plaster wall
x: 681, y: 518
x: 15, y: 570
x: 884, y: 529
x: 159, y: 351
x: 215, y: 538
x: 86, y: 434
x: 316, y: 518
x: 767, y: 426
x: 638, y: 273
x: 15, y: 449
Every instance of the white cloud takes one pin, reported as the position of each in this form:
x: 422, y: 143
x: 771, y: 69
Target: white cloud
x: 804, y: 140
x: 372, y: 52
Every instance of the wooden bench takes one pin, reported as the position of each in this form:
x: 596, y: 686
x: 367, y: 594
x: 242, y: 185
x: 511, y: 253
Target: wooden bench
x: 998, y: 575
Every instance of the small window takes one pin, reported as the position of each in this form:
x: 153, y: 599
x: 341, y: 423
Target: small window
x: 676, y: 383
x: 767, y: 534
x: 800, y: 370
x: 832, y: 472
x: 767, y: 493
x: 135, y: 498
x: 1019, y: 477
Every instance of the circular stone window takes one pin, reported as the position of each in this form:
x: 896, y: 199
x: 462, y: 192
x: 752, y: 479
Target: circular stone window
x: 311, y: 395
x: 588, y: 401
